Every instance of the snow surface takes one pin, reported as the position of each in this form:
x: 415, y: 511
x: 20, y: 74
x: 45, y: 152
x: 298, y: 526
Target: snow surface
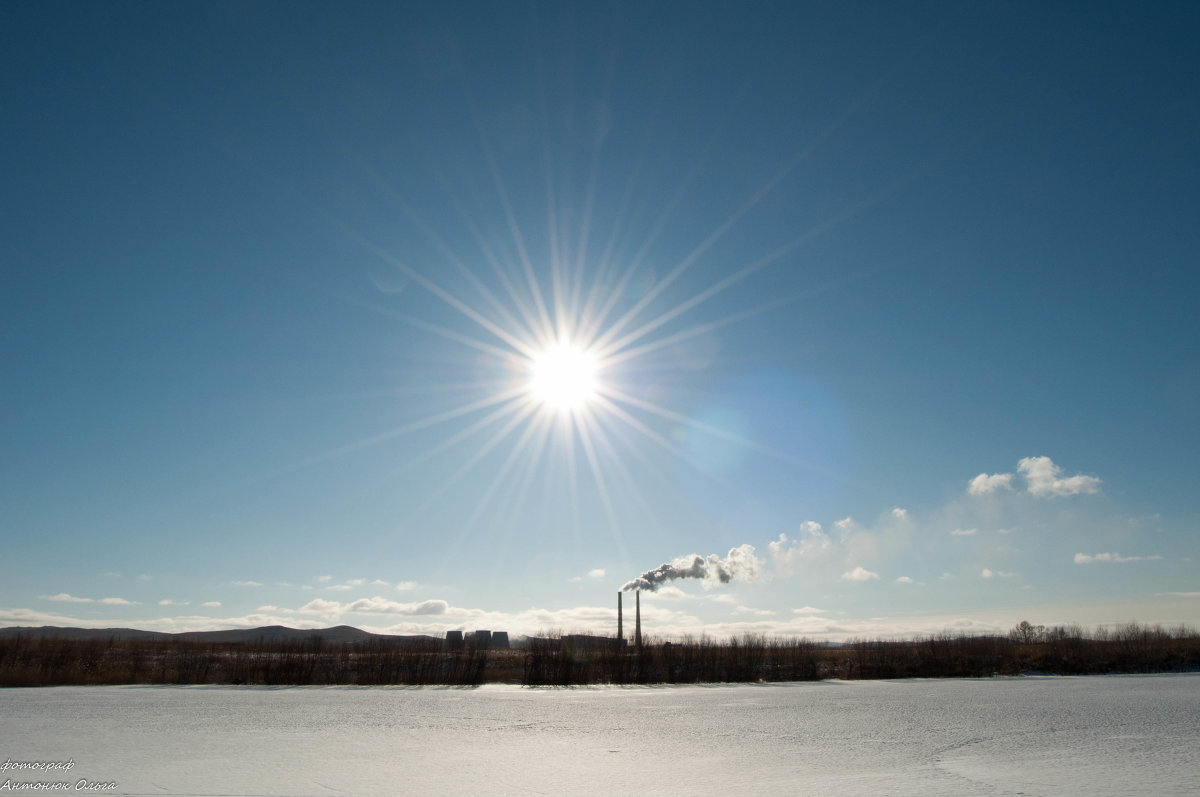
x: 1115, y: 735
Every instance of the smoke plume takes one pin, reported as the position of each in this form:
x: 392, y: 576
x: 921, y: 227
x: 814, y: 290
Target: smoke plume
x: 740, y: 563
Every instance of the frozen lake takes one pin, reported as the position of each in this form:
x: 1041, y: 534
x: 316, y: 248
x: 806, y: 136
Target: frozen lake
x: 1116, y: 735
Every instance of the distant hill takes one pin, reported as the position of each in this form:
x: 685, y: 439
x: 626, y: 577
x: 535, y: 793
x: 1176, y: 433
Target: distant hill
x: 268, y: 633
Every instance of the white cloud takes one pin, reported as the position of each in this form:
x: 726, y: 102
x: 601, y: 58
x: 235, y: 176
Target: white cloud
x: 379, y: 582
x: 247, y: 583
x: 845, y: 524
x: 899, y: 513
x: 340, y: 587
x: 324, y: 579
x: 211, y: 604
x: 675, y: 593
x: 808, y: 610
x: 171, y: 602
x: 905, y: 580
x: 987, y: 573
x: 356, y: 582
x: 964, y: 532
x: 120, y: 602
x: 63, y: 597
x: 383, y: 606
x: 1043, y: 479
x: 859, y: 574
x: 1084, y: 559
x: 404, y: 586
x: 983, y: 484
x: 322, y: 606
x: 267, y: 609
x: 596, y: 572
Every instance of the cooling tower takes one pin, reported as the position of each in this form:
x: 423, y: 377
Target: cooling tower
x: 454, y: 640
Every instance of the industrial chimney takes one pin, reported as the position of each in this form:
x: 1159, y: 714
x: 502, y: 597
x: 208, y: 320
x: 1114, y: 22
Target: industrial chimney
x: 620, y: 634
x: 637, y: 626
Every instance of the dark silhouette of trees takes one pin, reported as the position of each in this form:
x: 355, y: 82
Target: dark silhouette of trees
x: 576, y: 659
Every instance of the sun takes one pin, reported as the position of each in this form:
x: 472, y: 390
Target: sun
x: 563, y: 377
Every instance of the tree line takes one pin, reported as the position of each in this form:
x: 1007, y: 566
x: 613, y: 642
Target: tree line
x: 556, y: 660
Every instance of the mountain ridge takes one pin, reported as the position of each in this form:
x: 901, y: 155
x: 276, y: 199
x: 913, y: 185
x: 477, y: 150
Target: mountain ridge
x: 266, y: 633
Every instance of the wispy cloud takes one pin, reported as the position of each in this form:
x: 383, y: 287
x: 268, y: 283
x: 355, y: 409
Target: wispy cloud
x: 788, y: 555
x: 172, y: 602
x: 247, y: 583
x: 594, y: 574
x: 375, y: 605
x: 1086, y: 559
x: 964, y: 532
x: 989, y: 573
x: 63, y: 597
x: 211, y: 604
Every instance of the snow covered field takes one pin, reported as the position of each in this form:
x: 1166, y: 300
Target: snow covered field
x: 1117, y: 735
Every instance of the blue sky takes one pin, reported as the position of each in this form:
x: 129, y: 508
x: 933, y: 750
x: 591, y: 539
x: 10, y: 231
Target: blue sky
x: 898, y: 295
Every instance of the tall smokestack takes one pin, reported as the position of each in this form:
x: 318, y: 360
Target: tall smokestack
x: 620, y: 635
x: 637, y: 627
